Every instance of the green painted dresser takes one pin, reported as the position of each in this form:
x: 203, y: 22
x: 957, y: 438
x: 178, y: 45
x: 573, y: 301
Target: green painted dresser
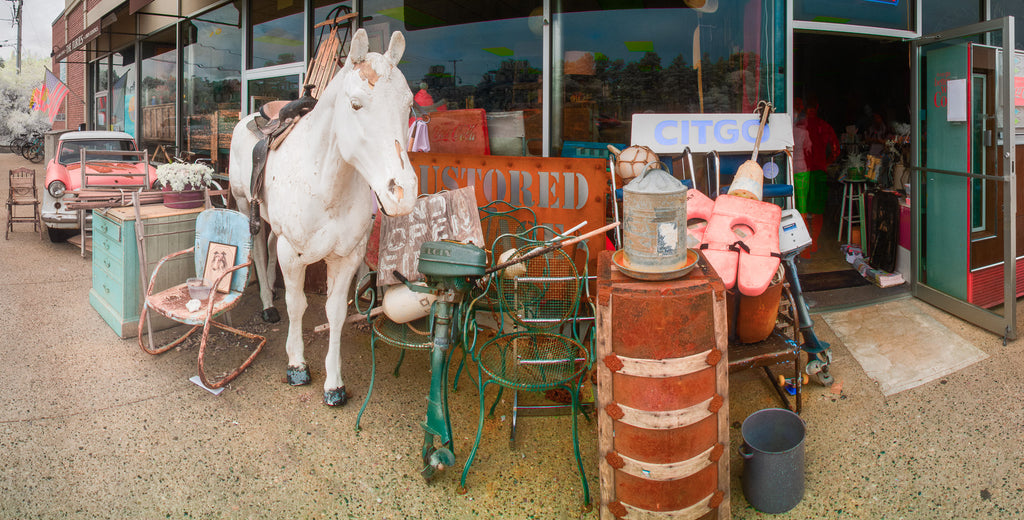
x: 117, y: 289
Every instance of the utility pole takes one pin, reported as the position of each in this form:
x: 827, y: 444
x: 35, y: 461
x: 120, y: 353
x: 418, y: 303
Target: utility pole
x: 17, y: 20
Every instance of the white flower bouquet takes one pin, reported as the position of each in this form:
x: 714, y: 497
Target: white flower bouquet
x: 183, y: 176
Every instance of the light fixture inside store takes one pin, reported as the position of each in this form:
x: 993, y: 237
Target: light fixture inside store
x: 704, y: 6
x: 536, y: 21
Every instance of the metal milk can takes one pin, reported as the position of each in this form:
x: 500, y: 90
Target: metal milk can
x: 654, y: 222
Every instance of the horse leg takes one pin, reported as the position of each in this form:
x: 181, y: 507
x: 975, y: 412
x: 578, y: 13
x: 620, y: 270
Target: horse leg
x: 260, y: 258
x: 266, y: 273
x: 295, y: 304
x: 339, y: 279
x: 272, y: 262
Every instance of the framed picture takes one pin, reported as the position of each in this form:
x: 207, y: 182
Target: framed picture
x: 219, y: 258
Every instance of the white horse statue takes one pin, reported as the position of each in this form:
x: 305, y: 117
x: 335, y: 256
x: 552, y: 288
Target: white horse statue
x: 316, y: 193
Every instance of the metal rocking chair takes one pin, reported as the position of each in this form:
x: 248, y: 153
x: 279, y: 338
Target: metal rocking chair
x: 538, y: 349
x: 221, y: 226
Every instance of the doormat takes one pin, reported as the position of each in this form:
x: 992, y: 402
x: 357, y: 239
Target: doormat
x: 830, y: 280
x: 900, y: 346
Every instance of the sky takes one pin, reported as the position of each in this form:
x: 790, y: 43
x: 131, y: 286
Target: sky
x: 38, y: 16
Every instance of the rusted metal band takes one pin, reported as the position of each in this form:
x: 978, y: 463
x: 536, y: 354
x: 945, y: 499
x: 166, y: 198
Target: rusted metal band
x: 664, y: 472
x: 697, y: 510
x: 652, y: 420
x: 662, y: 368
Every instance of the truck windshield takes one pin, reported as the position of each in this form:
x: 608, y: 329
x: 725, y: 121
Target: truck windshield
x: 70, y: 151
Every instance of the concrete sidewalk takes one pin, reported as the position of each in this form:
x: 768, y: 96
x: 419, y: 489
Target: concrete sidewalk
x: 92, y: 427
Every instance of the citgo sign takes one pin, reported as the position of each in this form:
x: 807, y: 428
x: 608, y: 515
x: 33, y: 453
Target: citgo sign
x: 702, y: 133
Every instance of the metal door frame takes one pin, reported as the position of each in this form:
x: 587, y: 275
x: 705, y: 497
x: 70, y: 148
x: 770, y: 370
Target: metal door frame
x: 1005, y: 324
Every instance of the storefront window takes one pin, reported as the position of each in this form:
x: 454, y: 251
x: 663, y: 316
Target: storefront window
x: 321, y: 8
x: 265, y: 90
x: 159, y: 80
x: 100, y: 84
x: 885, y: 14
x: 122, y: 91
x: 481, y: 62
x: 211, y: 85
x: 276, y: 34
x: 939, y: 15
x: 723, y: 57
x: 1004, y: 8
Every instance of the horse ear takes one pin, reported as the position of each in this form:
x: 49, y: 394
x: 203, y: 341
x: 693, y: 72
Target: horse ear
x: 360, y: 46
x: 397, y: 47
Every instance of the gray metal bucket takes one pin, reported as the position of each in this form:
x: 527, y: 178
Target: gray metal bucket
x: 654, y: 222
x: 773, y: 453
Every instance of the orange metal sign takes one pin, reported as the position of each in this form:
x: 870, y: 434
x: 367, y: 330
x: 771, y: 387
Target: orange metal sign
x: 562, y: 191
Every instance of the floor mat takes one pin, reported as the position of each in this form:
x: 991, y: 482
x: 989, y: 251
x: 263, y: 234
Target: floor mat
x: 829, y: 280
x: 900, y: 346
x: 853, y: 297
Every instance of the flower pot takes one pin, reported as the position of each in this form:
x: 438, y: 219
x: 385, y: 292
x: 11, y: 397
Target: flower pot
x: 186, y: 199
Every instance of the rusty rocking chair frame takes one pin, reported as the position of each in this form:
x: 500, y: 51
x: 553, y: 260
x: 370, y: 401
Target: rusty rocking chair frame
x: 171, y: 304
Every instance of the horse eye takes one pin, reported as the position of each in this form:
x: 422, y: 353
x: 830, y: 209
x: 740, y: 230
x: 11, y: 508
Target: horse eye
x: 356, y: 104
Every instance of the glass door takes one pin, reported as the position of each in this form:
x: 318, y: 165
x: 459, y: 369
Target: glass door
x: 964, y: 191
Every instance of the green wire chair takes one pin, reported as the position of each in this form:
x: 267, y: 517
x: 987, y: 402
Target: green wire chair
x: 537, y: 348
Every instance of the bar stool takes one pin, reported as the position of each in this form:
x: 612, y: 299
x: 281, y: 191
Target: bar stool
x: 853, y: 201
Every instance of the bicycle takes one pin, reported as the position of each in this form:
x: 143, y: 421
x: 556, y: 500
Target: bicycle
x: 34, y: 148
x: 19, y: 140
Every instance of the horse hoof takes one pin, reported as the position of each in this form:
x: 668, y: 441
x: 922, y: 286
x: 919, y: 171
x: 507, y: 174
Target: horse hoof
x: 270, y: 315
x: 298, y: 376
x: 335, y: 397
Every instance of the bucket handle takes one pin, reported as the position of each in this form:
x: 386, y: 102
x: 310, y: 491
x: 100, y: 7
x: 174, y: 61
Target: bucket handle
x: 652, y: 166
x: 747, y: 455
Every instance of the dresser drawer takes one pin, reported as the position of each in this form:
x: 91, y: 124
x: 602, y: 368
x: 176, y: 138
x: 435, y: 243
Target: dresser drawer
x: 104, y: 245
x: 105, y: 227
x: 109, y: 289
x: 111, y: 263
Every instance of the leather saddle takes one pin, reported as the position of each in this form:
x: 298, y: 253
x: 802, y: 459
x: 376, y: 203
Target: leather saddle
x: 272, y: 126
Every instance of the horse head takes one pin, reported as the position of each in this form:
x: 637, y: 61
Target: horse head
x: 371, y: 115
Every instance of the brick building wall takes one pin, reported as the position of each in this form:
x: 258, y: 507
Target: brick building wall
x: 74, y: 105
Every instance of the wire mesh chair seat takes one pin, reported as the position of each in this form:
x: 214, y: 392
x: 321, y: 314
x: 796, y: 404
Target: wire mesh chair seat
x: 410, y: 336
x: 533, y: 361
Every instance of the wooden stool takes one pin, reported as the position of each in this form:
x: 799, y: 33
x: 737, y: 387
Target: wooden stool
x: 853, y: 201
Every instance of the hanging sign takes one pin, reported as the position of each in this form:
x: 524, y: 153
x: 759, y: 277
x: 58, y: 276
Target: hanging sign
x: 702, y: 133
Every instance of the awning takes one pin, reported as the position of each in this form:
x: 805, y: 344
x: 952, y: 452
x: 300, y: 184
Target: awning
x: 135, y: 5
x: 78, y: 41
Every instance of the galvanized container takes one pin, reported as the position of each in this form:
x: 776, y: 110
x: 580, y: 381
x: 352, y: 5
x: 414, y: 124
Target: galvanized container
x: 654, y: 223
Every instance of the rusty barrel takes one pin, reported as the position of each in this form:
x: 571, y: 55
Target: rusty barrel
x: 662, y: 384
x: 753, y: 318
